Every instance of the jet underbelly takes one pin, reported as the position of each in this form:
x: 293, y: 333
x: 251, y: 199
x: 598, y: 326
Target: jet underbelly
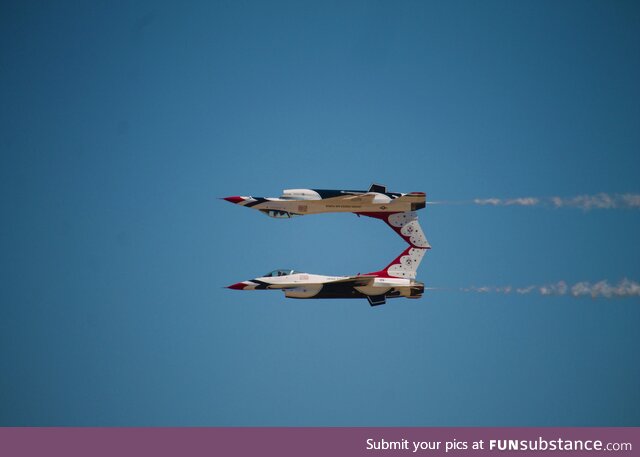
x: 372, y: 290
x: 307, y: 291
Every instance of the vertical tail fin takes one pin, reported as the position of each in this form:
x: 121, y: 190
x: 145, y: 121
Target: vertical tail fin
x: 405, y: 265
x: 406, y: 225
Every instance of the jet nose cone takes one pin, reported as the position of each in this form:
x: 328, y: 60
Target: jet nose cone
x: 237, y: 286
x: 234, y: 199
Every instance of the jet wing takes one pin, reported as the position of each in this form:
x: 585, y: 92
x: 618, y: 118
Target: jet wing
x: 357, y: 281
x: 360, y: 198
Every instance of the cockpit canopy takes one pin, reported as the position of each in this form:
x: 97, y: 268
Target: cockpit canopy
x: 276, y: 273
x: 278, y: 214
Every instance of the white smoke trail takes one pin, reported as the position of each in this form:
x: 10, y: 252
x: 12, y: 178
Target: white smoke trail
x: 600, y: 289
x: 526, y: 201
x: 585, y: 202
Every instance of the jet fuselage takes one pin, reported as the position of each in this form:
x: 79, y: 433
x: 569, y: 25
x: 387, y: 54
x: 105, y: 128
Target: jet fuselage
x: 304, y: 285
x: 298, y: 202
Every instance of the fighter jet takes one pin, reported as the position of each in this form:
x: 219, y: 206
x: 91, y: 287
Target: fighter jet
x: 395, y: 280
x: 396, y: 209
x: 298, y: 202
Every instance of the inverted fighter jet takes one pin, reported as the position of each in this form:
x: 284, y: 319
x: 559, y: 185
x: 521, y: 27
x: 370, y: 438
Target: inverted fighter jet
x: 298, y: 202
x: 396, y: 280
x: 396, y: 209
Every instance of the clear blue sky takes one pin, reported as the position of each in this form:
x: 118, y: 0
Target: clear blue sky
x: 123, y: 122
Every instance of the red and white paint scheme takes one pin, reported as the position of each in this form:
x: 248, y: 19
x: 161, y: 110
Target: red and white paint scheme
x: 396, y: 209
x: 395, y: 280
x: 398, y: 279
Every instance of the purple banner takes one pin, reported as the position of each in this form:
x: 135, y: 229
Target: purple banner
x: 317, y: 441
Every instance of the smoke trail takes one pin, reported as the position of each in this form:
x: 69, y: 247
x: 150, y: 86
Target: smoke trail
x: 527, y: 201
x: 600, y: 289
x: 585, y: 202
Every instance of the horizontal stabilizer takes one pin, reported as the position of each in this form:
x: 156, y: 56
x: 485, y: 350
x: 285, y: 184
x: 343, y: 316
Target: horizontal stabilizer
x: 417, y: 200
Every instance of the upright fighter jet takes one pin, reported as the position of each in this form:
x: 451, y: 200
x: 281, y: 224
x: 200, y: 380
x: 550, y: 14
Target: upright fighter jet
x: 395, y: 280
x: 396, y: 209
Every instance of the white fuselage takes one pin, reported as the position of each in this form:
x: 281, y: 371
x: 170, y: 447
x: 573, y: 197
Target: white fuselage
x: 305, y: 285
x: 283, y: 282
